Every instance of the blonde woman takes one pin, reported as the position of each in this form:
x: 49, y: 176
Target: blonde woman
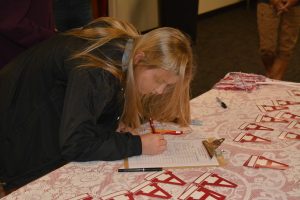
x: 64, y: 99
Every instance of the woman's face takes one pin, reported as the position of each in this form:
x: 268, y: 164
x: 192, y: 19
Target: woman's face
x: 153, y: 81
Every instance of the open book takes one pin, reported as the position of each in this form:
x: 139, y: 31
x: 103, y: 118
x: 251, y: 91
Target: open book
x: 180, y: 153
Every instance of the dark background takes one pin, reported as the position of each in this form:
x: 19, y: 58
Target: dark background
x: 227, y: 41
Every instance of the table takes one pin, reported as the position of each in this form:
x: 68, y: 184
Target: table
x: 274, y: 106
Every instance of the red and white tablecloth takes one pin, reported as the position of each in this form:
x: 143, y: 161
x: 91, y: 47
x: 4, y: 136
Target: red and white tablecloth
x: 266, y: 111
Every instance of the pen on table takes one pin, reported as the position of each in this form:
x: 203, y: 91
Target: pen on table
x: 150, y: 169
x: 223, y: 105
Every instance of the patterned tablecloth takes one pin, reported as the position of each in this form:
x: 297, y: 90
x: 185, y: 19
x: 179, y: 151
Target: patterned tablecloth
x: 264, y: 113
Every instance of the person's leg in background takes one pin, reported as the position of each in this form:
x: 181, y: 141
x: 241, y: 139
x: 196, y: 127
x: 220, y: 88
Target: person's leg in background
x: 72, y: 13
x: 268, y: 25
x: 288, y: 37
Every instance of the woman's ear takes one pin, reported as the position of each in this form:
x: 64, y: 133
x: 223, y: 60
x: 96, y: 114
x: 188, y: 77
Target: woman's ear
x: 138, y: 57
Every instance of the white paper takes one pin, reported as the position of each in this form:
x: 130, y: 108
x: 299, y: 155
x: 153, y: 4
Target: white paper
x: 179, y: 153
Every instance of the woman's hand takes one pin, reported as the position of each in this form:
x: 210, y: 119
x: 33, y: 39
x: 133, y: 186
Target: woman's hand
x: 153, y: 144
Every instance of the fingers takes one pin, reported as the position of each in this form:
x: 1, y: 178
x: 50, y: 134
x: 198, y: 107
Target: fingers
x: 160, y: 136
x: 163, y: 142
x: 153, y: 144
x: 162, y: 146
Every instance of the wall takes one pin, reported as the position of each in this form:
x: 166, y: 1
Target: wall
x: 143, y: 14
x: 209, y: 5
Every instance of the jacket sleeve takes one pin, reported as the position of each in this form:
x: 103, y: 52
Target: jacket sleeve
x: 81, y: 137
x: 16, y: 26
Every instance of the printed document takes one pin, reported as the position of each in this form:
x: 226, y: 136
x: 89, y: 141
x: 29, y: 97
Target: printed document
x: 179, y: 153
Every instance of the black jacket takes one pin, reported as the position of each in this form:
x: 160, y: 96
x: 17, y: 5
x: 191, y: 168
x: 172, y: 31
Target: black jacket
x: 53, y: 112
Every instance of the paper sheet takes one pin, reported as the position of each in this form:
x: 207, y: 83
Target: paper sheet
x: 179, y: 153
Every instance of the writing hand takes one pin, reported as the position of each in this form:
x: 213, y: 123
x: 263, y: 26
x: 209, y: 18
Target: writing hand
x: 153, y: 144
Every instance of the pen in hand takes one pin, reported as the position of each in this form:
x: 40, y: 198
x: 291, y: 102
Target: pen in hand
x: 152, y: 125
x: 166, y: 132
x: 223, y: 105
x: 169, y: 132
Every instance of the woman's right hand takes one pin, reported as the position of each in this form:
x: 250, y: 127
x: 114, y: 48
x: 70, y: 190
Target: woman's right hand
x: 153, y: 144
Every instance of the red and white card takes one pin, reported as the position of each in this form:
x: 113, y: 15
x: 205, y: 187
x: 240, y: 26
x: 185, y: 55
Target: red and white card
x: 124, y: 195
x: 294, y: 125
x: 263, y: 162
x: 287, y: 115
x: 286, y: 103
x: 267, y: 118
x: 249, y: 137
x: 166, y: 177
x: 254, y: 127
x: 289, y: 135
x: 294, y: 92
x: 271, y: 108
x: 150, y: 189
x: 200, y: 193
x: 213, y: 179
x: 82, y: 197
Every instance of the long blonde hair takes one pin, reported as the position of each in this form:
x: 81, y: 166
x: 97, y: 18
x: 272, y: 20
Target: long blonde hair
x: 165, y: 48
